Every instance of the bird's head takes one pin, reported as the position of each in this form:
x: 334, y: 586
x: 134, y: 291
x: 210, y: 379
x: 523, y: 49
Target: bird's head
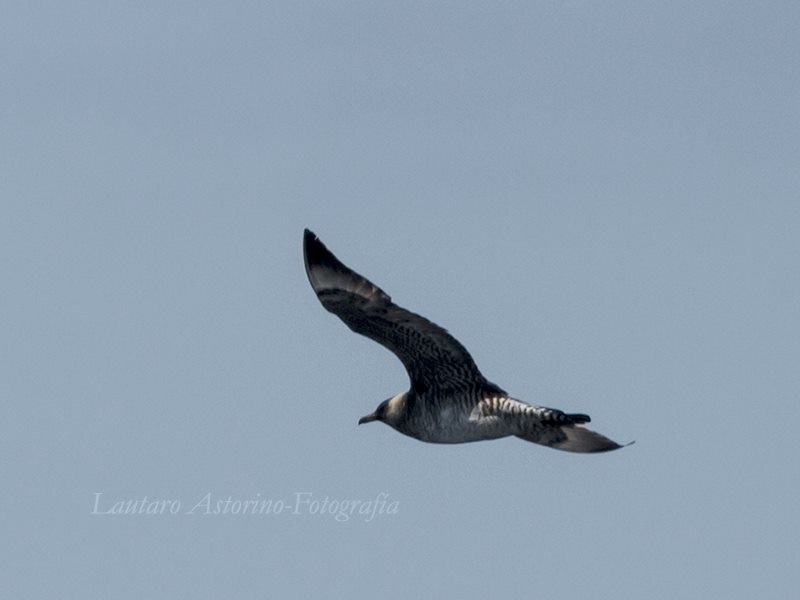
x: 390, y: 411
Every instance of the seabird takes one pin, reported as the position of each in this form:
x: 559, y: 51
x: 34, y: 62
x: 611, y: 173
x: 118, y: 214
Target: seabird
x: 449, y: 400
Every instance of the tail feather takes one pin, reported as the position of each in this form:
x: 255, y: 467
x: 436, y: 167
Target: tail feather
x: 546, y: 426
x: 578, y: 418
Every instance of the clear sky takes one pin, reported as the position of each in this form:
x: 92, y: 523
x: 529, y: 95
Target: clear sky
x: 600, y: 200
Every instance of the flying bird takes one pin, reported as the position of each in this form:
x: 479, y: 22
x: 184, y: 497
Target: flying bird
x: 449, y: 400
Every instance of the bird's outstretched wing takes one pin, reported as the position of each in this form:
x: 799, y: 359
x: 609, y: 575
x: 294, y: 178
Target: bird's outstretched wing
x: 432, y: 357
x: 570, y: 437
x: 546, y: 426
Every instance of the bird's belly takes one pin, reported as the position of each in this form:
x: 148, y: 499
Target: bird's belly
x: 456, y: 427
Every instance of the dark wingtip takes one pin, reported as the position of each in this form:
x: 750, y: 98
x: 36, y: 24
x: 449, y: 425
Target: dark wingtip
x: 316, y: 254
x: 616, y: 446
x: 326, y: 272
x: 309, y: 238
x: 313, y: 249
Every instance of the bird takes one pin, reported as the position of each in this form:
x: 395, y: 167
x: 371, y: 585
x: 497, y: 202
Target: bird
x: 449, y: 401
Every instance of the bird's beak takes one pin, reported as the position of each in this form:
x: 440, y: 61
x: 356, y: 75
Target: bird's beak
x: 368, y: 418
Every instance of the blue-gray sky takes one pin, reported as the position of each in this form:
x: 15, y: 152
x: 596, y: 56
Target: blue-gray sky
x: 600, y: 200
